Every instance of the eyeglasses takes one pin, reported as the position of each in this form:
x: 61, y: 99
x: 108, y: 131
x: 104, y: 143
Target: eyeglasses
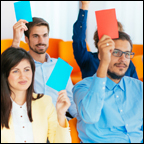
x: 119, y: 53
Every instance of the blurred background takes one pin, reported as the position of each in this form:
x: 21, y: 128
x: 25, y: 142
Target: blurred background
x: 61, y: 15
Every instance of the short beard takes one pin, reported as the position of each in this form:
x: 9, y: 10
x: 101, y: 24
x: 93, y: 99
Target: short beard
x: 114, y: 75
x: 37, y: 51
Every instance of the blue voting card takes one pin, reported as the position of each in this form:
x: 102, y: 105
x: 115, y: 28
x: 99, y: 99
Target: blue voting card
x: 60, y: 75
x: 23, y: 10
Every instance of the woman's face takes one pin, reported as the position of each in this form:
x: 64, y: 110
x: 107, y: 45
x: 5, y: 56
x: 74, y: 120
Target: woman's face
x: 20, y: 76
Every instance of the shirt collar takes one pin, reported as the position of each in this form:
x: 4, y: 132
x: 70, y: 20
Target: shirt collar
x: 48, y: 58
x: 16, y: 107
x: 111, y: 85
x: 121, y: 84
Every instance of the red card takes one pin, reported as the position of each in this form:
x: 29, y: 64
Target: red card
x: 107, y: 23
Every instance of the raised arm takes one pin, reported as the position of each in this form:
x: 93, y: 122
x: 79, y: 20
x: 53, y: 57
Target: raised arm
x: 62, y: 105
x: 18, y: 31
x: 79, y: 35
x: 58, y: 127
x: 89, y: 94
x: 85, y: 5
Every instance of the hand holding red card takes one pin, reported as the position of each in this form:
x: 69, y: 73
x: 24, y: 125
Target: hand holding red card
x: 107, y: 23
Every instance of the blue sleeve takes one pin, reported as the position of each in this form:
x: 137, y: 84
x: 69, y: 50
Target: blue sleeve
x: 72, y: 109
x: 89, y: 98
x: 79, y: 35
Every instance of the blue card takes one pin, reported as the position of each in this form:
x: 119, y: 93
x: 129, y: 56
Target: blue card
x: 23, y: 10
x: 60, y: 75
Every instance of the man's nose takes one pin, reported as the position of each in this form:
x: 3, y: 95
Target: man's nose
x: 40, y: 39
x: 123, y: 57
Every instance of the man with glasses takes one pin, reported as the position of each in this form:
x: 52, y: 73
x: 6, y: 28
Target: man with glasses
x: 88, y: 61
x: 110, y: 104
x: 118, y: 53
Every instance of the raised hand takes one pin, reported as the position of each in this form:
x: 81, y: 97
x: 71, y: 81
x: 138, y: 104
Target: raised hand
x: 105, y: 46
x: 85, y: 5
x: 18, y: 31
x: 85, y: 2
x: 63, y: 103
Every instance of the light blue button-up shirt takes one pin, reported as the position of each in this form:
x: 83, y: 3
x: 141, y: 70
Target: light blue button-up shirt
x: 42, y: 74
x: 109, y: 112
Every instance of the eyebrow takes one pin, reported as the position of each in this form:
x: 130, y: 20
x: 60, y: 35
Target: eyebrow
x: 38, y: 35
x: 35, y: 34
x: 24, y: 68
x: 120, y: 50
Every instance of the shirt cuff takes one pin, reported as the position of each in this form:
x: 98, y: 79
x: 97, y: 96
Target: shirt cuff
x: 63, y: 134
x: 82, y: 15
x: 67, y: 125
x: 98, y: 84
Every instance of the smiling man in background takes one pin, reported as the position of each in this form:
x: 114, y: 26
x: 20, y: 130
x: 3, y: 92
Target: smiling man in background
x: 37, y: 37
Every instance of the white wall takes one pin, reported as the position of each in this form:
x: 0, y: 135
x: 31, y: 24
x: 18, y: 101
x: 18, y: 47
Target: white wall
x: 60, y: 15
x: 129, y: 13
x: 7, y: 19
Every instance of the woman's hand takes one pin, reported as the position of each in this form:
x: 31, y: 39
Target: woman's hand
x: 62, y: 105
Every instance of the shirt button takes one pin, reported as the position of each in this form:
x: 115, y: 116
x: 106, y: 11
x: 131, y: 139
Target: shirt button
x: 103, y: 88
x: 83, y: 15
x: 121, y: 110
x: 20, y: 107
x: 23, y: 127
x: 20, y: 116
x: 103, y: 82
x: 126, y: 125
x: 117, y: 96
x: 25, y: 141
x: 80, y: 26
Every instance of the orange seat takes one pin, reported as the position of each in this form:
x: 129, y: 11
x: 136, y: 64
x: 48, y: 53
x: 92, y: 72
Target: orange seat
x: 66, y: 53
x: 137, y: 49
x: 138, y: 62
x: 24, y: 45
x: 73, y: 131
x: 6, y: 43
x: 52, y: 49
x: 76, y: 77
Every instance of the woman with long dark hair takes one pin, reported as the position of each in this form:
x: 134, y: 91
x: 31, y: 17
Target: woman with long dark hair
x: 26, y: 116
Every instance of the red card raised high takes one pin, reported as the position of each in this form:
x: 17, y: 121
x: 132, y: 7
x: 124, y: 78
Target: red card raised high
x: 107, y: 23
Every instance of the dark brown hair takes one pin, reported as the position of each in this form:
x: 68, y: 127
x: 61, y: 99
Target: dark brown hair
x: 36, y: 22
x: 10, y: 58
x: 124, y: 36
x: 120, y: 26
x: 96, y: 38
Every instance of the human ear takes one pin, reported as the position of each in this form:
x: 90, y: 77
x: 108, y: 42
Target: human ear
x: 27, y: 40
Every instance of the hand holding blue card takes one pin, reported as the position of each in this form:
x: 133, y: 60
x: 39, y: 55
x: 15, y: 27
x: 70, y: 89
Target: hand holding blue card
x: 60, y: 75
x: 23, y: 10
